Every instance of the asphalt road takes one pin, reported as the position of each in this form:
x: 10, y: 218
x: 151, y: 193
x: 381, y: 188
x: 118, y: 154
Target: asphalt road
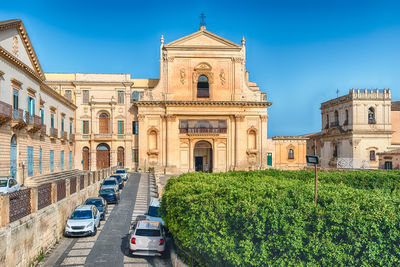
x: 110, y: 246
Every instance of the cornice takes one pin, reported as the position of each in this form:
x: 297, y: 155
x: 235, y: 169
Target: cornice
x: 89, y: 83
x: 47, y: 89
x: 203, y: 103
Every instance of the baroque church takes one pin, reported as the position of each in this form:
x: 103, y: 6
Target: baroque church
x: 202, y: 114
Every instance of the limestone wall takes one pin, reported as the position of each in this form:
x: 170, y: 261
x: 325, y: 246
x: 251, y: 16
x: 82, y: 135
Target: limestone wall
x: 23, y: 240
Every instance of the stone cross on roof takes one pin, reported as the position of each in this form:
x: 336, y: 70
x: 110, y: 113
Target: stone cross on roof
x: 202, y: 21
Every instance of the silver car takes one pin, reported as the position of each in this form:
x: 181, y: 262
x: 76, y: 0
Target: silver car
x: 123, y: 173
x: 110, y: 183
x: 8, y: 185
x: 84, y: 220
x: 147, y: 239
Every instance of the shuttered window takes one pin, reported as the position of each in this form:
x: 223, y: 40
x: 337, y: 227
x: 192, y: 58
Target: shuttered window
x: 135, y: 155
x: 120, y: 97
x: 135, y: 127
x: 120, y: 127
x: 85, y: 96
x: 85, y: 127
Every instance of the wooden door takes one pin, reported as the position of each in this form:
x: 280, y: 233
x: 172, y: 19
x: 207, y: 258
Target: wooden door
x: 103, y: 123
x: 121, y: 157
x: 103, y: 159
x: 85, y: 158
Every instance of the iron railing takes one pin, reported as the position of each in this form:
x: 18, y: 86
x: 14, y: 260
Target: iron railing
x: 42, y: 129
x: 371, y: 121
x: 44, y: 195
x: 71, y: 137
x: 72, y: 185
x: 54, y: 132
x: 61, y: 190
x: 203, y: 130
x: 82, y: 182
x: 5, y: 111
x: 20, y: 204
x: 64, y: 135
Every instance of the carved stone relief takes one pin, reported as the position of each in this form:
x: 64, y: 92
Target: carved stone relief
x: 15, y: 45
x: 222, y: 77
x: 182, y: 75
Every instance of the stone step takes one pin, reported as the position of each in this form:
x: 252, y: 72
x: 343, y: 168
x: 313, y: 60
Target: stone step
x: 51, y: 177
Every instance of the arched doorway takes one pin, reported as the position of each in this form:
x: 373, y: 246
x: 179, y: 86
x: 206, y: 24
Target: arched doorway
x: 103, y: 123
x: 203, y: 156
x: 85, y: 158
x: 102, y: 156
x: 121, y: 157
x: 13, y: 156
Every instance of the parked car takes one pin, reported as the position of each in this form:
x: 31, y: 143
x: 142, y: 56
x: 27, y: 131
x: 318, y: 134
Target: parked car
x: 100, y: 204
x: 8, y: 185
x: 147, y: 239
x: 119, y: 179
x: 110, y: 195
x: 153, y: 212
x: 123, y: 173
x: 110, y: 183
x: 83, y: 221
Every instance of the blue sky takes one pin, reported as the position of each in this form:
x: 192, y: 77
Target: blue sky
x: 299, y: 52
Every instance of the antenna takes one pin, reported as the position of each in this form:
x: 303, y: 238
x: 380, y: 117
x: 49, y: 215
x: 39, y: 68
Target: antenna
x: 337, y: 92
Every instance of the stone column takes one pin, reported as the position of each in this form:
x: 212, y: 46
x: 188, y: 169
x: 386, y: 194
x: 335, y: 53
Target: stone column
x: 238, y: 120
x: 142, y: 147
x: 191, y: 167
x: 169, y: 143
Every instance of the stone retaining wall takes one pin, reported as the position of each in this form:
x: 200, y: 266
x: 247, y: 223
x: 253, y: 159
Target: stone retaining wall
x: 22, y: 241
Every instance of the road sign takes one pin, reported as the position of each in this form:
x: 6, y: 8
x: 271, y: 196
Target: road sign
x: 312, y: 159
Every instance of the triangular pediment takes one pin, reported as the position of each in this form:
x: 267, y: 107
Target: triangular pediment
x: 203, y: 38
x: 17, y: 45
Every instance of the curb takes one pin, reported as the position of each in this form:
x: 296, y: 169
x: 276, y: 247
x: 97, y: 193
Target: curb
x: 175, y: 260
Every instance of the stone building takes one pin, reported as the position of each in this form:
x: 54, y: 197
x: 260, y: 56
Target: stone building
x: 289, y: 152
x: 203, y: 113
x: 36, y: 123
x: 355, y: 128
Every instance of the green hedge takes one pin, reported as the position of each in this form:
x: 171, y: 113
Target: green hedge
x: 265, y: 218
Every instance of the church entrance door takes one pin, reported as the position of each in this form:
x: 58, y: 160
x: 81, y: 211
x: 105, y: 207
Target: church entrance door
x: 203, y: 156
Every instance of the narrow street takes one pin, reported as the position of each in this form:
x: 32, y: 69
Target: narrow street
x: 110, y: 246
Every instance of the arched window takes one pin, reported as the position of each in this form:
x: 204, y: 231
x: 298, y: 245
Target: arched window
x: 290, y: 154
x: 327, y: 121
x: 153, y: 140
x: 103, y: 123
x: 372, y: 155
x: 371, y: 116
x: 135, y: 96
x: 251, y: 140
x: 203, y: 87
x: 335, y: 151
x: 346, y: 122
x: 336, y: 117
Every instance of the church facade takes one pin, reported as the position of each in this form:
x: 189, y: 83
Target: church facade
x: 202, y: 114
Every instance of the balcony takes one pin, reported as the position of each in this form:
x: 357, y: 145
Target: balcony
x: 371, y: 121
x: 5, y: 112
x: 334, y: 124
x: 34, y: 123
x: 63, y: 135
x: 19, y: 118
x: 53, y: 133
x: 202, y: 131
x: 71, y: 137
x: 346, y: 122
x: 42, y: 130
x: 103, y: 137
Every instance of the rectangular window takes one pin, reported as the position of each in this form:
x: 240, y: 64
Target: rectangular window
x: 135, y: 155
x: 52, y: 160
x: 31, y: 105
x: 135, y: 127
x: 135, y: 96
x: 85, y: 96
x: 29, y: 161
x: 42, y: 115
x: 62, y: 160
x: 68, y: 95
x: 372, y: 155
x: 15, y: 98
x: 85, y: 127
x: 120, y: 97
x: 62, y: 124
x: 52, y: 120
x: 70, y: 160
x: 70, y: 127
x: 40, y: 160
x: 120, y: 127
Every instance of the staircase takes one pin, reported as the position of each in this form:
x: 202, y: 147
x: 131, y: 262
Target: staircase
x: 51, y: 177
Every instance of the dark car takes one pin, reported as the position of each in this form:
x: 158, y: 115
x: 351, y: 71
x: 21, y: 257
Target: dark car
x: 119, y: 179
x: 100, y: 204
x: 109, y: 195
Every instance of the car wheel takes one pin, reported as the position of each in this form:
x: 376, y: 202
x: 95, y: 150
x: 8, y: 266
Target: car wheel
x: 94, y: 231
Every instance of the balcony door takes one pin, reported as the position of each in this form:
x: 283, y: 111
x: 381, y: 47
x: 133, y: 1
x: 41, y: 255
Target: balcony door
x: 104, y: 123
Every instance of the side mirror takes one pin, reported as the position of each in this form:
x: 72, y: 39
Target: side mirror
x: 95, y: 216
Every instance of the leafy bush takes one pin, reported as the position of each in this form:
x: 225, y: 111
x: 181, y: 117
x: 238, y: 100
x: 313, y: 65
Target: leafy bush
x: 264, y: 218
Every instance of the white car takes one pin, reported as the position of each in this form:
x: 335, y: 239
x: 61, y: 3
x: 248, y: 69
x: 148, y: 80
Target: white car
x: 8, y: 185
x: 123, y: 173
x: 147, y: 239
x: 84, y: 220
x: 110, y: 183
x: 153, y: 213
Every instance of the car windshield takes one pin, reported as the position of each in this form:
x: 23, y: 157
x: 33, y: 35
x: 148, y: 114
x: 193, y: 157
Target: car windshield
x: 148, y: 232
x: 117, y: 177
x: 3, y: 183
x: 109, y: 182
x: 107, y: 191
x: 81, y: 215
x: 154, y: 211
x: 120, y: 171
x: 96, y: 202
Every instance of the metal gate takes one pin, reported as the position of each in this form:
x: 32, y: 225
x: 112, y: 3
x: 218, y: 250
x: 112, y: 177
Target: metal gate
x: 13, y: 157
x: 30, y: 160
